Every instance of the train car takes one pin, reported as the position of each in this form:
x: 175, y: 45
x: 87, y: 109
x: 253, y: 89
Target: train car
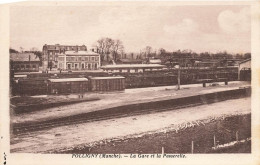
x: 67, y: 85
x: 31, y: 86
x: 115, y: 83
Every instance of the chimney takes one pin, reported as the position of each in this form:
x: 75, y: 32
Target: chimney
x: 77, y: 48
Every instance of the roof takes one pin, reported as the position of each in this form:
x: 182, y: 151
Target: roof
x: 68, y: 79
x: 103, y: 78
x: 154, y: 61
x: 24, y: 57
x: 57, y: 46
x: 80, y: 52
x: 208, y: 62
x: 19, y: 76
x: 131, y: 60
x: 133, y: 66
x: 249, y: 59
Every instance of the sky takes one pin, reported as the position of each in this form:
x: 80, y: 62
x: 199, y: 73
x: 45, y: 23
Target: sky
x: 197, y: 28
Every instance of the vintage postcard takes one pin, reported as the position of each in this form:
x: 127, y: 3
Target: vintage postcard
x: 137, y: 82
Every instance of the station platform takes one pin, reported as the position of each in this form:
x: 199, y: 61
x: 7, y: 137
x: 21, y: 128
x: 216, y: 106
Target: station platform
x: 123, y: 98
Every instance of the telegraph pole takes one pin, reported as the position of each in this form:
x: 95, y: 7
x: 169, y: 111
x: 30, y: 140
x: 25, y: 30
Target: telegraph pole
x: 179, y: 77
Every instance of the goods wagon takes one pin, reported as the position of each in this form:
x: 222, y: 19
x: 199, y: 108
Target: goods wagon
x: 31, y: 86
x: 67, y: 85
x: 107, y: 83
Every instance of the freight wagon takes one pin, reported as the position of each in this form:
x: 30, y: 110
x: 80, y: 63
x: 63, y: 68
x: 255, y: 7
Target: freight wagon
x: 31, y: 87
x: 115, y: 83
x: 67, y: 85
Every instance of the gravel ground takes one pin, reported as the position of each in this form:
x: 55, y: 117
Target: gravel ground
x: 69, y: 137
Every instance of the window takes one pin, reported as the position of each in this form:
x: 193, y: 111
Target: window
x: 87, y: 58
x: 92, y: 58
x: 132, y: 70
x: 96, y: 58
x: 76, y: 66
x: 60, y: 58
x: 69, y: 66
x: 79, y: 58
x: 34, y: 66
x: 27, y: 66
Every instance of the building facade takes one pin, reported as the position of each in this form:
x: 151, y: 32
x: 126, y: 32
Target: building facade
x: 24, y: 62
x: 78, y: 60
x: 51, y: 52
x: 244, y: 70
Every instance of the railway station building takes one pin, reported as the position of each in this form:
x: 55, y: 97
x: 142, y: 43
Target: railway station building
x: 78, y: 60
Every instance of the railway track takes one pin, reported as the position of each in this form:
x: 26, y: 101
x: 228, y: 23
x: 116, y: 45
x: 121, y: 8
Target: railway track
x: 21, y: 129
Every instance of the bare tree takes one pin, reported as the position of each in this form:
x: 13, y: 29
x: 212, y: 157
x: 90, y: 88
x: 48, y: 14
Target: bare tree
x: 117, y: 48
x: 148, y: 50
x: 162, y: 51
x: 108, y: 46
x: 101, y: 48
x: 21, y: 49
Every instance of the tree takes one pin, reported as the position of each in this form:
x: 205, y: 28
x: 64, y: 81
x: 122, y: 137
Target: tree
x: 162, y: 51
x: 108, y: 46
x: 117, y: 48
x: 101, y: 48
x: 205, y: 55
x: 36, y: 52
x: 21, y: 49
x: 148, y: 50
x: 238, y: 56
x: 34, y: 49
x: 104, y: 46
x: 247, y: 55
x: 13, y: 50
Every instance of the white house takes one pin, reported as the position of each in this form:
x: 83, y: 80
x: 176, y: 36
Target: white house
x: 79, y: 60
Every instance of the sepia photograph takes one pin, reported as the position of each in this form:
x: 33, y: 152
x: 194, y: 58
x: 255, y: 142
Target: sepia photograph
x: 130, y: 80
